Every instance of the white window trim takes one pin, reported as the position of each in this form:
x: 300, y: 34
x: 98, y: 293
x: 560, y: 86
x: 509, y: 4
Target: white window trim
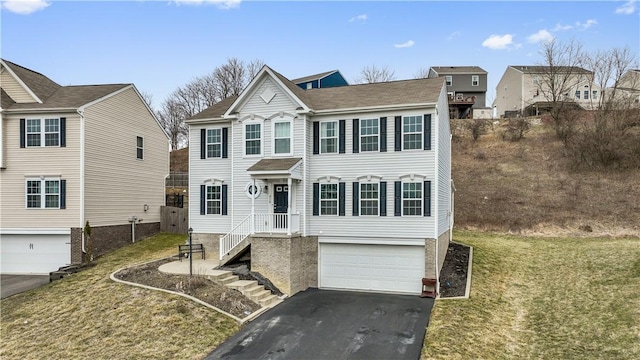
x: 42, y: 132
x: 421, y: 198
x: 207, y: 143
x: 207, y: 201
x: 421, y: 147
x: 337, y: 199
x: 138, y: 147
x: 43, y: 195
x: 475, y: 78
x: 244, y: 138
x: 360, y: 136
x: 360, y: 200
x: 448, y: 79
x: 273, y: 137
x: 336, y: 137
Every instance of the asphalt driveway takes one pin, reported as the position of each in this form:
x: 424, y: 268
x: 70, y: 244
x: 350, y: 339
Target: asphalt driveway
x: 14, y: 284
x: 324, y: 324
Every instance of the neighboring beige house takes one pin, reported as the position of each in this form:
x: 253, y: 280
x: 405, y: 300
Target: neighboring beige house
x: 628, y: 88
x: 523, y: 90
x: 71, y: 154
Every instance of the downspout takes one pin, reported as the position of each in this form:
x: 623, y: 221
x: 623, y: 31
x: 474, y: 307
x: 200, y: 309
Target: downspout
x: 437, y: 183
x: 304, y: 177
x: 82, y: 160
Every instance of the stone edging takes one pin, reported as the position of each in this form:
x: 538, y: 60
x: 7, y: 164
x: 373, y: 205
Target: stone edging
x: 251, y: 316
x: 468, y: 287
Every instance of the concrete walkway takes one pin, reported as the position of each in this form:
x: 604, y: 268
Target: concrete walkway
x: 200, y: 267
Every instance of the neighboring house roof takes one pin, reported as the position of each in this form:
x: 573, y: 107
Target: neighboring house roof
x: 442, y: 70
x: 313, y: 77
x: 216, y: 110
x: 67, y: 97
x: 536, y: 69
x: 40, y: 85
x: 5, y: 100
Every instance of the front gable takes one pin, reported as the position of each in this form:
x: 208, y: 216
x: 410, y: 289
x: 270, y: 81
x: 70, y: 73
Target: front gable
x: 15, y: 88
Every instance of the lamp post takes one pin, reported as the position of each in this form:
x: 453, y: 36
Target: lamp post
x: 190, y: 253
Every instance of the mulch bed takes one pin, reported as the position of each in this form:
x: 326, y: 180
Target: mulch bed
x: 453, y: 276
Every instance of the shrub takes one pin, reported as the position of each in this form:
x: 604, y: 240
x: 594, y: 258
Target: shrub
x: 476, y: 127
x: 514, y: 129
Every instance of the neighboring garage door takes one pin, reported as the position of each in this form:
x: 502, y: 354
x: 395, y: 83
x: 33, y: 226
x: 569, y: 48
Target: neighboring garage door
x: 34, y: 254
x: 386, y: 268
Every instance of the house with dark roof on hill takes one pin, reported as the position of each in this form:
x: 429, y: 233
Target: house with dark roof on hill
x: 323, y: 80
x: 71, y: 155
x: 466, y: 89
x: 343, y: 187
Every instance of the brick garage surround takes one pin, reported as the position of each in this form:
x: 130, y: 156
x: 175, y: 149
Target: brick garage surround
x: 108, y: 238
x: 76, y: 245
x: 289, y: 262
x: 429, y: 254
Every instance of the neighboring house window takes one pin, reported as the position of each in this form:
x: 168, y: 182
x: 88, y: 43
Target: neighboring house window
x: 328, y: 137
x: 536, y: 80
x: 309, y: 85
x: 42, y: 131
x: 139, y: 147
x: 449, y: 80
x: 577, y: 94
x: 214, y: 143
x: 412, y: 132
x: 44, y: 193
x: 214, y: 200
x: 282, y: 137
x: 412, y: 198
x: 369, y: 133
x: 253, y: 139
x: 586, y: 94
x: 328, y: 199
x: 475, y: 80
x: 594, y: 94
x: 369, y: 201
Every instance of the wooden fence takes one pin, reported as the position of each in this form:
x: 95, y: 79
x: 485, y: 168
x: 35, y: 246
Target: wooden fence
x: 174, y: 219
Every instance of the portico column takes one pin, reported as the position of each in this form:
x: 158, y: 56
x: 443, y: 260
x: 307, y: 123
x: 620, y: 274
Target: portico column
x: 253, y: 206
x: 289, y: 182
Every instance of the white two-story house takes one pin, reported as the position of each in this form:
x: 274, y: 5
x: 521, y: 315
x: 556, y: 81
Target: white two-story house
x: 338, y: 188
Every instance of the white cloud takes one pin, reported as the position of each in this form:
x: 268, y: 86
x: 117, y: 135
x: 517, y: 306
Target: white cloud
x: 454, y: 35
x: 405, y: 45
x: 361, y: 17
x: 627, y: 8
x: 24, y: 7
x: 540, y: 36
x: 584, y: 26
x: 498, y: 42
x: 223, y: 4
x: 561, y: 27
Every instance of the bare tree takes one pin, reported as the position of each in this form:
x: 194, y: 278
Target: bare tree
x: 171, y: 116
x: 147, y: 97
x: 611, y: 75
x: 233, y: 76
x: 373, y: 74
x: 422, y: 73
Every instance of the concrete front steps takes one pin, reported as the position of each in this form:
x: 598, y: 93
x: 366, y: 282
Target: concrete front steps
x: 249, y: 288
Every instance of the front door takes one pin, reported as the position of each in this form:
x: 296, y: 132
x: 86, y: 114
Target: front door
x: 280, y: 205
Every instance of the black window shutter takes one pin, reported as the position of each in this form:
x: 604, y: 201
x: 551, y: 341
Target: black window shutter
x: 203, y: 143
x: 225, y: 143
x: 224, y: 199
x: 316, y: 138
x: 383, y: 198
x: 341, y: 136
x: 383, y: 134
x: 23, y: 131
x: 398, y: 134
x: 203, y: 199
x: 427, y: 198
x: 63, y: 194
x: 356, y: 200
x: 316, y: 199
x: 356, y: 136
x: 427, y: 131
x: 63, y: 132
x: 397, y: 199
x: 341, y: 200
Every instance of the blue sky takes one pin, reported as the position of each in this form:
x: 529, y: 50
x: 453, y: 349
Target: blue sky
x: 161, y: 45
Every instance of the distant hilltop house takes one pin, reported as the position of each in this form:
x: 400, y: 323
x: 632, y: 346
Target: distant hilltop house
x: 466, y: 90
x: 525, y: 90
x: 628, y: 88
x: 344, y: 187
x: 72, y: 154
x: 326, y: 79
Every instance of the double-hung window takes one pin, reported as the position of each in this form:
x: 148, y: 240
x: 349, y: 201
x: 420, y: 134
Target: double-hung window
x: 475, y: 80
x: 282, y: 137
x: 139, y: 147
x: 369, y: 199
x: 412, y: 132
x: 214, y: 143
x: 253, y: 139
x: 577, y: 94
x: 43, y: 193
x: 586, y: 94
x: 594, y: 94
x: 412, y: 198
x: 448, y: 79
x: 214, y: 200
x: 328, y: 199
x: 369, y: 135
x: 328, y: 137
x: 42, y: 131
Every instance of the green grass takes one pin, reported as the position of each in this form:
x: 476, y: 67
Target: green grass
x: 543, y: 298
x: 88, y: 316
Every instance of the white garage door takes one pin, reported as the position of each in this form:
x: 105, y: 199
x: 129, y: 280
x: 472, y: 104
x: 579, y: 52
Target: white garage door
x: 386, y: 268
x: 34, y: 254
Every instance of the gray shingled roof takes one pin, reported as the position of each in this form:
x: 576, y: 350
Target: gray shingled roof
x: 71, y: 97
x: 282, y: 164
x: 41, y: 85
x: 445, y: 70
x: 5, y: 100
x: 313, y: 77
x: 216, y: 111
x: 537, y: 69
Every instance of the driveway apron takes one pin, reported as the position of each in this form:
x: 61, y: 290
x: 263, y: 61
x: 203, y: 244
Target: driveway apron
x: 15, y: 284
x: 325, y: 324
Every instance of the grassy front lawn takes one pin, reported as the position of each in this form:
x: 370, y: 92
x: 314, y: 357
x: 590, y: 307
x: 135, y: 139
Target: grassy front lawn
x: 88, y: 316
x: 543, y: 298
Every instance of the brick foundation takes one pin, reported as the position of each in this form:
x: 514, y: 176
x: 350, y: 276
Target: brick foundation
x: 429, y: 252
x: 108, y: 238
x: 211, y: 243
x: 76, y: 245
x: 290, y: 263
